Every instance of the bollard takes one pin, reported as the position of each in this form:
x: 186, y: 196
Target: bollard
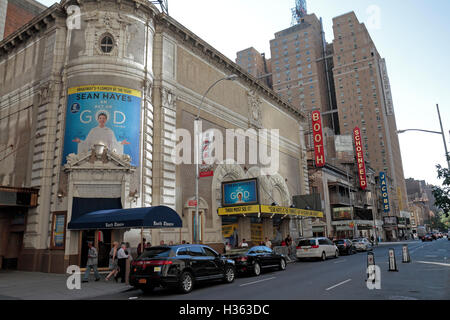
x: 370, y: 262
x: 406, y: 258
x: 392, y: 263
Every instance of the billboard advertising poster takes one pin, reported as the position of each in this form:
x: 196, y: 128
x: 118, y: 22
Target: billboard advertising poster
x: 107, y: 115
x: 242, y: 192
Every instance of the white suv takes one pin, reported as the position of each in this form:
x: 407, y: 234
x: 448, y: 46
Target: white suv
x: 321, y: 248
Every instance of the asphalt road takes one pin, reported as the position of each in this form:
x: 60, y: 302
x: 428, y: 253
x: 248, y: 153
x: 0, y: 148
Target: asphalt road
x: 426, y: 277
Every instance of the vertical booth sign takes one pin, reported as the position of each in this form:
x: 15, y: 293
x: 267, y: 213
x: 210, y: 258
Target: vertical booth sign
x: 360, y: 158
x: 319, y: 155
x: 101, y: 114
x: 384, y: 192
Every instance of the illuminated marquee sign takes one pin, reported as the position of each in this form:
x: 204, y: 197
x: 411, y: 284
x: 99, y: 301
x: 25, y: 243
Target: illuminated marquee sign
x: 360, y: 158
x: 319, y: 154
x: 384, y: 192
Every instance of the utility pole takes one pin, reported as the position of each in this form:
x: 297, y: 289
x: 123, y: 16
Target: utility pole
x: 443, y: 137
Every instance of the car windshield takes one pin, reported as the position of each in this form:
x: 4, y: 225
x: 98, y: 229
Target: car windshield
x: 307, y: 242
x: 156, y: 252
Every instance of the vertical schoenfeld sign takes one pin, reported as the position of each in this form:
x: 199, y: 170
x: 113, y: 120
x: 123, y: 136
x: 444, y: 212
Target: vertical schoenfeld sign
x: 360, y: 158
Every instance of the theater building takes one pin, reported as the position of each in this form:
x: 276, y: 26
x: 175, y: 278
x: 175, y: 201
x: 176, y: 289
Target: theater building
x: 91, y: 106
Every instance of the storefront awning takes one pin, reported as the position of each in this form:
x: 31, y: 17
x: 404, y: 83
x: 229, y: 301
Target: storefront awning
x: 150, y: 217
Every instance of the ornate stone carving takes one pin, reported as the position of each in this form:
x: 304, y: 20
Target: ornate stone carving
x: 254, y: 109
x: 45, y: 93
x: 100, y: 23
x: 168, y: 98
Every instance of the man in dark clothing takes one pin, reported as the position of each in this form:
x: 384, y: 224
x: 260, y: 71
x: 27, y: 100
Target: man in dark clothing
x: 139, y: 248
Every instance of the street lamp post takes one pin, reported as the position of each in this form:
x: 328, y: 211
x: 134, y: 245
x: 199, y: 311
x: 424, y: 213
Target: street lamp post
x: 197, y: 145
x: 437, y: 132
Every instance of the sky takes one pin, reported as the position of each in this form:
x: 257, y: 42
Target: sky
x: 412, y: 35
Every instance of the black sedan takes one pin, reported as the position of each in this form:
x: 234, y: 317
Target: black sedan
x: 257, y: 258
x: 427, y: 237
x: 180, y: 267
x: 345, y: 246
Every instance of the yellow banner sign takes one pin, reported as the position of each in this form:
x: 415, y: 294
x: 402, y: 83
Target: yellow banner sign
x: 114, y: 89
x: 291, y: 211
x: 238, y: 210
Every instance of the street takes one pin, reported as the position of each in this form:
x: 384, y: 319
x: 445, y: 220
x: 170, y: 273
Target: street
x: 426, y: 277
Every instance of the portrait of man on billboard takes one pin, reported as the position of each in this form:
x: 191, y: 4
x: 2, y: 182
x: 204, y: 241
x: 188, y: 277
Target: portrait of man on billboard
x: 105, y: 115
x: 101, y: 135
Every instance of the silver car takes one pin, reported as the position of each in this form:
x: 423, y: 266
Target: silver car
x: 362, y: 244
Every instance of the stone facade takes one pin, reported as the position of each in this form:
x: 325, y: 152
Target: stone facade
x: 171, y: 68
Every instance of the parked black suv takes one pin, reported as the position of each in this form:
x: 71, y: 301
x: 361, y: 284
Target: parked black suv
x: 179, y: 266
x: 345, y: 246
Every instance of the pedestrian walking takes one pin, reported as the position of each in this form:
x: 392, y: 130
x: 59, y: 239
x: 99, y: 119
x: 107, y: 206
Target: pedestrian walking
x: 161, y: 243
x: 148, y: 245
x: 92, y: 263
x: 268, y: 243
x: 128, y: 262
x: 227, y: 247
x: 113, y: 262
x: 140, y: 245
x: 122, y: 259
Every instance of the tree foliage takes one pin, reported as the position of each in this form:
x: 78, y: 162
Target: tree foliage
x: 442, y: 194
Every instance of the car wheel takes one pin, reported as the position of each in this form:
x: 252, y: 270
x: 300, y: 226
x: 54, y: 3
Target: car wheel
x: 323, y: 257
x: 186, y: 283
x: 229, y: 275
x: 256, y: 269
x: 282, y: 265
x: 336, y: 254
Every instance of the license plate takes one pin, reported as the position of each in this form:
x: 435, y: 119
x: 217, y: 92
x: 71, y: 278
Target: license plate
x: 144, y: 281
x: 157, y: 269
x: 305, y: 249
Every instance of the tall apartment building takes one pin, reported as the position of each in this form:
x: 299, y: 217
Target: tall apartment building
x: 364, y: 99
x: 298, y: 70
x: 256, y: 64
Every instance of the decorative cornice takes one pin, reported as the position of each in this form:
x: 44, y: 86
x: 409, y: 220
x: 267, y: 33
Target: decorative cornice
x: 33, y: 27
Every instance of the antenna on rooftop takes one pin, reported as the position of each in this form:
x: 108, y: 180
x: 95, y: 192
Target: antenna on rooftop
x: 298, y: 12
x: 163, y: 4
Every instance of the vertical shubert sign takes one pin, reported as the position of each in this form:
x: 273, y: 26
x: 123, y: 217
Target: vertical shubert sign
x: 319, y: 154
x: 360, y: 158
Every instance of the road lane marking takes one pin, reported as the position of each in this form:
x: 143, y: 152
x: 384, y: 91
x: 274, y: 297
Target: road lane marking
x: 437, y: 263
x: 340, y: 261
x: 246, y: 284
x: 340, y: 283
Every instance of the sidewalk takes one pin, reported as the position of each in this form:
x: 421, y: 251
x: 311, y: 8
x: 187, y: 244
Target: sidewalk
x: 49, y: 286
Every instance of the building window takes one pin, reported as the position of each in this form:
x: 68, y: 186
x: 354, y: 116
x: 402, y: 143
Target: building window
x: 107, y: 43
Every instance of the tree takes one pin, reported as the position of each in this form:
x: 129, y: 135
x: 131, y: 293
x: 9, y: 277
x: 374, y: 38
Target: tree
x: 442, y: 195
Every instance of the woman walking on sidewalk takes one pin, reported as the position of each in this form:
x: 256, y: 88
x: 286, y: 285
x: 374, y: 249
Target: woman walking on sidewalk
x: 113, y: 262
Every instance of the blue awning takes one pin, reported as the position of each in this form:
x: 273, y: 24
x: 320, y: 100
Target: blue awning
x: 151, y: 217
